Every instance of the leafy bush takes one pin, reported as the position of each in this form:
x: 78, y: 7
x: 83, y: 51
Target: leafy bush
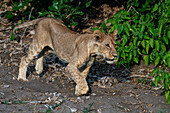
x: 67, y: 10
x: 165, y: 77
x: 144, y: 28
x: 70, y: 11
x: 145, y: 32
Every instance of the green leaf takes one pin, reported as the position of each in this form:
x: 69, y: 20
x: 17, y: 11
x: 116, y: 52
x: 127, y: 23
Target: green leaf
x: 167, y: 95
x: 166, y: 56
x: 139, y: 52
x: 152, y: 30
x: 147, y: 48
x: 165, y: 39
x: 163, y: 47
x: 151, y: 42
x: 155, y: 8
x: 12, y: 36
x: 130, y: 56
x: 123, y: 55
x: 157, y: 46
x: 125, y: 39
x: 163, y: 76
x: 146, y: 37
x: 136, y: 59
x: 142, y: 28
x: 126, y: 30
x: 140, y: 35
x: 88, y: 3
x: 160, y: 29
x: 9, y: 14
x: 157, y: 60
x: 104, y: 26
x: 146, y: 58
x: 147, y: 17
x: 168, y: 34
x: 157, y: 78
x: 128, y: 24
x: 143, y: 43
x: 120, y: 28
x: 154, y: 71
x: 168, y: 61
x: 118, y: 55
x: 134, y: 52
x: 138, y: 43
x: 167, y: 75
x: 135, y: 40
x: 167, y: 78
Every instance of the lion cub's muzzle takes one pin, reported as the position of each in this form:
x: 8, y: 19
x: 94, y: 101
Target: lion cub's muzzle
x: 103, y: 58
x: 111, y: 61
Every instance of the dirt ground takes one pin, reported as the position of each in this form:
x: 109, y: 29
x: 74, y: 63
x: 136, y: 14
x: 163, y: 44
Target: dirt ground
x: 112, y: 90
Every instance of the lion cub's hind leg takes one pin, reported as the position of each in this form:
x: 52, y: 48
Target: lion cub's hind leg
x: 39, y: 62
x: 39, y: 65
x: 33, y: 51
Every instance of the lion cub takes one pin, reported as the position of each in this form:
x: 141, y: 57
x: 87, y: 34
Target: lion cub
x: 76, y: 49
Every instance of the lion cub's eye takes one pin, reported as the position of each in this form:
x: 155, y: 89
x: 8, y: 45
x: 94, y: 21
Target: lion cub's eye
x: 107, y: 45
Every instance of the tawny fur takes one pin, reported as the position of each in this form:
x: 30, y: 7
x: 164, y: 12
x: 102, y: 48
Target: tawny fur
x: 74, y: 48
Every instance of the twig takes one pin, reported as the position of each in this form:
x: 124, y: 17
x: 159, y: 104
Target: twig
x: 126, y: 68
x: 140, y: 76
x: 131, y: 8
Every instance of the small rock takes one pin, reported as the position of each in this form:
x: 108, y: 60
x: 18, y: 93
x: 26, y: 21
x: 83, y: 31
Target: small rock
x: 73, y: 110
x: 2, y: 93
x: 58, y: 94
x: 78, y: 99
x: 32, y: 32
x: 93, y: 94
x: 114, y: 93
x: 87, y: 97
x: 99, y: 111
x: 6, y: 86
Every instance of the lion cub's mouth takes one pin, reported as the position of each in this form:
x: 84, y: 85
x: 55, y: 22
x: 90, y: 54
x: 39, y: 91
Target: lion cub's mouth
x: 109, y: 61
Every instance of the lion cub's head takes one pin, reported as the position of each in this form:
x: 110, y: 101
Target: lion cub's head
x: 104, y: 46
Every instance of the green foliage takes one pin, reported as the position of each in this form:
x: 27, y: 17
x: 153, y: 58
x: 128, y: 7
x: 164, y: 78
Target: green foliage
x: 144, y: 29
x: 67, y: 10
x: 70, y: 11
x: 145, y: 34
x: 165, y: 77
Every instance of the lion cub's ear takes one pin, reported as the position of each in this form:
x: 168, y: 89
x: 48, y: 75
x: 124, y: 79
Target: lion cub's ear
x: 98, y: 36
x: 114, y: 35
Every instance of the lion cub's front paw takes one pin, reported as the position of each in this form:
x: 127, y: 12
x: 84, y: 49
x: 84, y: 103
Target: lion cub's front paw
x: 22, y: 79
x: 81, y: 89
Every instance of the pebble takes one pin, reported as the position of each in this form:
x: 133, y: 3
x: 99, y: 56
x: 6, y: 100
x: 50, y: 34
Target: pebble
x: 6, y: 86
x: 58, y: 94
x: 93, y: 94
x: 87, y: 97
x: 2, y: 93
x: 114, y: 93
x: 73, y: 110
x: 78, y: 99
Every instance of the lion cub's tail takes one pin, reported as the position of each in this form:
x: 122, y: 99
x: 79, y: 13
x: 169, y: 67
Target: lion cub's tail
x: 26, y: 24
